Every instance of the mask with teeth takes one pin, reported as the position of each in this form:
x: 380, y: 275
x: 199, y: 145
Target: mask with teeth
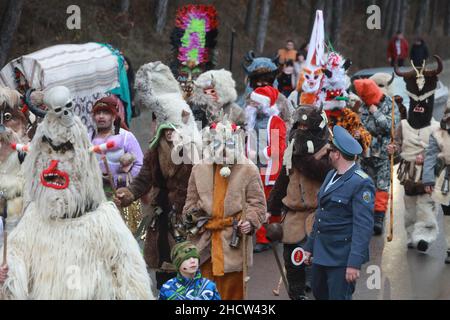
x: 61, y: 176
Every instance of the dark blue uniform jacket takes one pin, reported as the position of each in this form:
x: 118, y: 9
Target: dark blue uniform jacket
x: 343, y: 223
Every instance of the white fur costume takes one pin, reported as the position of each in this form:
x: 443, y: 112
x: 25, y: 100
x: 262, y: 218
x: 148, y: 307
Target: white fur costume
x: 11, y: 182
x: 70, y: 243
x: 11, y: 178
x: 420, y: 214
x: 157, y: 90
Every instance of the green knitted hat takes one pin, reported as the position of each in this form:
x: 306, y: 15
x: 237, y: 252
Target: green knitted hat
x: 183, y: 251
x: 159, y: 132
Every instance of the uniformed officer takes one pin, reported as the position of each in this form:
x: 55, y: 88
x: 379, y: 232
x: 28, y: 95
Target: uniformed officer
x: 343, y: 227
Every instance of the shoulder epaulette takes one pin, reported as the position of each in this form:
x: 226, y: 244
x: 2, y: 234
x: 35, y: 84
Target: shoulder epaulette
x: 362, y: 174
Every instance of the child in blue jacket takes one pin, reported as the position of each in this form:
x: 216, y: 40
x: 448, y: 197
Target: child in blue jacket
x: 188, y: 284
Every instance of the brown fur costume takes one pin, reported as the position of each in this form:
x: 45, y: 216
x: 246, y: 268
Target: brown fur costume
x: 169, y: 183
x: 296, y: 193
x: 200, y: 196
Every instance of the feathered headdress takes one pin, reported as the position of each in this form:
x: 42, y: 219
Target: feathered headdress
x: 194, y: 40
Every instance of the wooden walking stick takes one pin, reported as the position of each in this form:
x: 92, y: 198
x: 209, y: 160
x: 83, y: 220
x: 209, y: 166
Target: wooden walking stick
x: 276, y: 292
x: 391, y: 207
x: 5, y: 247
x: 245, y: 277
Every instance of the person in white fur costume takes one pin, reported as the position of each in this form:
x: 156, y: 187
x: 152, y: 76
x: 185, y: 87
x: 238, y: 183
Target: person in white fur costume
x: 12, y: 130
x: 214, y: 96
x: 70, y: 243
x: 412, y: 138
x: 436, y: 171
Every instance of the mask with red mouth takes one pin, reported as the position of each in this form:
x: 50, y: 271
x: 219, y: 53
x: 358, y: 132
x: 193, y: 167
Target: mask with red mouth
x: 62, y: 177
x: 54, y: 178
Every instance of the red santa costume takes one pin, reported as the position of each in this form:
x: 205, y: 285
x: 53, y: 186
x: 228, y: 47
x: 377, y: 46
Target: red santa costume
x: 266, y: 141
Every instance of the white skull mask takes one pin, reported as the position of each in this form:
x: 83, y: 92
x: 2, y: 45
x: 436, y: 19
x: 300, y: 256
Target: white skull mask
x: 59, y: 102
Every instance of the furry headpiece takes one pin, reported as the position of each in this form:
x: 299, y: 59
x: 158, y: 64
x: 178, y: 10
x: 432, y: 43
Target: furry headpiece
x: 335, y: 83
x: 223, y: 143
x: 260, y: 70
x: 61, y: 176
x: 308, y: 134
x: 223, y: 84
x: 368, y: 91
x: 12, y: 114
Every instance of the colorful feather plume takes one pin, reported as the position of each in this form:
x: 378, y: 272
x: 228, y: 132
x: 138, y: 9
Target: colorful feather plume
x: 194, y: 37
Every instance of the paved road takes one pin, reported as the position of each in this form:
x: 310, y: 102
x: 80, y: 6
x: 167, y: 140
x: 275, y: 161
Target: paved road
x: 405, y: 273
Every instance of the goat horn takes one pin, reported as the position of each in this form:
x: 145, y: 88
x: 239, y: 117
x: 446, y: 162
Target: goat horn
x: 392, y: 79
x: 402, y: 74
x: 438, y: 70
x: 35, y: 110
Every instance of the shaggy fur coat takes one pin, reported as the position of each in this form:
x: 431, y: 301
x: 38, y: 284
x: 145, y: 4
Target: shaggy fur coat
x: 200, y: 196
x: 168, y: 183
x: 213, y: 111
x: 296, y: 194
x: 91, y: 257
x: 70, y: 243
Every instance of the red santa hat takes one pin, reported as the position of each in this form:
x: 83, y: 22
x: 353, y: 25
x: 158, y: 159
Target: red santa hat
x: 266, y: 96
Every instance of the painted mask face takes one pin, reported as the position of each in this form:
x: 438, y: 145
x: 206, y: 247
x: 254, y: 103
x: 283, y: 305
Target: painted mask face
x: 335, y: 82
x: 62, y: 177
x: 54, y: 178
x: 312, y: 79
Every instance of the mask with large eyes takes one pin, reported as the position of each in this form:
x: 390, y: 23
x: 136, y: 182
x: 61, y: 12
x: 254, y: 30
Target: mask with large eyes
x: 59, y: 102
x: 312, y: 79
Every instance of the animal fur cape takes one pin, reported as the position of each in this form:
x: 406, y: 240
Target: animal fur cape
x: 71, y: 243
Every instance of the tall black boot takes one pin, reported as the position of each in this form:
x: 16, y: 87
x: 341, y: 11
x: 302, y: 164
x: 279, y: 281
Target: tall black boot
x: 378, y: 226
x: 295, y: 275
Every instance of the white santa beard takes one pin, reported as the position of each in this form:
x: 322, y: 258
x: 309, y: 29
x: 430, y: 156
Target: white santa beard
x: 250, y: 114
x: 91, y: 257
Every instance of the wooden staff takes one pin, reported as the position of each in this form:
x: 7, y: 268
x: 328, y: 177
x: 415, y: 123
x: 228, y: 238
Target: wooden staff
x: 245, y: 277
x: 391, y: 207
x: 5, y: 247
x: 111, y: 179
x: 276, y: 292
x: 108, y: 172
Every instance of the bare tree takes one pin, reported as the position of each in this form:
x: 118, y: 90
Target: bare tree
x: 336, y: 22
x: 403, y: 14
x: 262, y: 26
x: 161, y: 15
x: 328, y: 15
x: 447, y: 20
x: 387, y: 14
x: 395, y: 18
x: 316, y: 5
x: 421, y: 16
x: 250, y: 16
x: 9, y: 23
x: 433, y: 15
